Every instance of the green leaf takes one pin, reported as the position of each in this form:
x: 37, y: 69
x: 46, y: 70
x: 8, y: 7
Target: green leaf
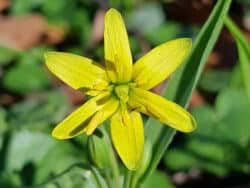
x: 7, y: 55
x: 9, y: 180
x: 55, y: 11
x: 236, y: 78
x: 49, y: 158
x: 3, y: 123
x: 24, y: 7
x: 38, y: 115
x: 221, y: 142
x: 151, y: 12
x: 134, y: 46
x: 33, y: 56
x: 164, y: 32
x: 157, y: 179
x: 114, y: 3
x: 81, y: 27
x: 184, y: 159
x: 244, y: 53
x: 233, y: 110
x: 185, y: 79
x: 203, y: 45
x: 25, y: 79
x: 27, y: 147
x: 3, y: 129
x: 230, y: 115
x: 57, y: 159
x: 215, y: 80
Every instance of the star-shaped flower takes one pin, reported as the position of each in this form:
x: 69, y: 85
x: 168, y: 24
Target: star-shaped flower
x: 119, y: 90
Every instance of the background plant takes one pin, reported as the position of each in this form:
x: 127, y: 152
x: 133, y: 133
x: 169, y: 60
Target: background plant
x: 32, y: 101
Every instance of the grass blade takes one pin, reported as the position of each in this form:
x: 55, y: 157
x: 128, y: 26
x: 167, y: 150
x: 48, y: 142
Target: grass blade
x: 244, y: 53
x: 180, y: 88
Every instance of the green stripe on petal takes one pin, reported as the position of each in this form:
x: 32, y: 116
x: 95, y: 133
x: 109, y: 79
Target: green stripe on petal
x: 160, y: 62
x: 118, y: 56
x: 78, y: 72
x: 77, y: 122
x: 128, y: 137
x: 106, y: 111
x: 162, y: 109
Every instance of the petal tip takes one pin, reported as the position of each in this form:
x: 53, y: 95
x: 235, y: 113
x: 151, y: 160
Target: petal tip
x: 59, y: 135
x: 187, y: 42
x: 112, y: 14
x: 132, y: 164
x: 132, y: 167
x: 48, y: 54
x: 112, y: 11
x: 192, y: 126
x: 194, y: 123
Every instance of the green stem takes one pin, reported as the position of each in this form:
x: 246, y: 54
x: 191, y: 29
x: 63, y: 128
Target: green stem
x: 235, y: 31
x: 127, y: 179
x: 243, y: 51
x: 115, y: 169
x: 98, y: 178
x: 108, y: 178
x: 162, y: 145
x: 113, y: 162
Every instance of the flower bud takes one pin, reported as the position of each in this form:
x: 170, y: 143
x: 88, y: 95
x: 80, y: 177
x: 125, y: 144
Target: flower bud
x: 98, y: 150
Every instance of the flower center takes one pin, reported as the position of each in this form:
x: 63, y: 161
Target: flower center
x: 121, y: 92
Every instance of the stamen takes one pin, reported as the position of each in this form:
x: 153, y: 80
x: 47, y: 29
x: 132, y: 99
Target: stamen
x: 122, y: 92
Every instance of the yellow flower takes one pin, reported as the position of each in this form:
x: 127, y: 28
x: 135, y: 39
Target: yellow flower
x: 119, y: 91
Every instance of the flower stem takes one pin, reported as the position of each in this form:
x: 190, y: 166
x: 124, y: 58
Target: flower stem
x: 162, y: 144
x: 108, y: 178
x: 115, y: 169
x: 98, y: 178
x: 113, y: 161
x: 127, y: 179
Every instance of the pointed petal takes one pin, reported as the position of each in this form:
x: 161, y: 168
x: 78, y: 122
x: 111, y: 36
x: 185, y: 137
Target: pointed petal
x: 118, y: 57
x: 76, y: 123
x: 78, y: 72
x: 160, y: 62
x: 162, y: 109
x: 128, y: 137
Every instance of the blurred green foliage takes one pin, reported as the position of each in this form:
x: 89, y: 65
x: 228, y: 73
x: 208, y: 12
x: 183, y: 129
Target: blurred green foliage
x: 30, y: 156
x: 7, y: 55
x: 221, y: 142
x: 39, y: 114
x: 215, y: 80
x: 157, y: 179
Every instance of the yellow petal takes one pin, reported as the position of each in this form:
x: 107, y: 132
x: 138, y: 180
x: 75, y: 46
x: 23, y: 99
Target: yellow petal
x: 78, y: 72
x: 77, y: 122
x: 118, y: 57
x: 128, y: 137
x: 160, y: 62
x: 106, y: 111
x: 162, y: 109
